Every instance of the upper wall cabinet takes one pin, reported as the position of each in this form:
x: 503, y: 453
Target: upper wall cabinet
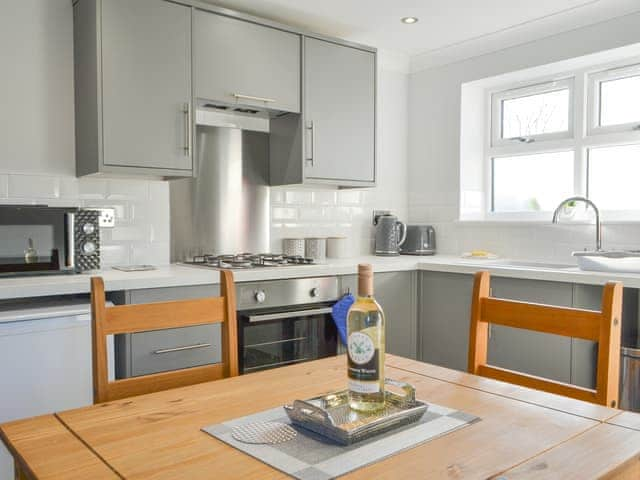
x: 237, y: 61
x: 334, y: 141
x: 133, y: 87
x: 339, y: 96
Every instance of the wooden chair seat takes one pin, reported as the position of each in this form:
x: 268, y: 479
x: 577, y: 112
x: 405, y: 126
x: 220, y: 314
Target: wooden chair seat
x: 603, y: 327
x: 159, y: 316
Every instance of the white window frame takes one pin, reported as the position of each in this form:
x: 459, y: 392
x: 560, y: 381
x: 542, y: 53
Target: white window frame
x: 498, y: 99
x: 581, y: 136
x: 595, y: 81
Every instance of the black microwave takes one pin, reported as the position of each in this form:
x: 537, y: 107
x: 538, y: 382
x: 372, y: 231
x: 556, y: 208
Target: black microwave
x: 40, y: 240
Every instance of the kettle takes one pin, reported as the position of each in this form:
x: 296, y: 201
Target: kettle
x: 390, y: 235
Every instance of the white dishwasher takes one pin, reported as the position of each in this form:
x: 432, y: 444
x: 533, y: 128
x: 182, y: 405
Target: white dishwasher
x: 45, y: 362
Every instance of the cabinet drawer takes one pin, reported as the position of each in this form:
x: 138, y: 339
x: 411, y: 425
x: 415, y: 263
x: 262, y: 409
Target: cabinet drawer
x: 171, y: 349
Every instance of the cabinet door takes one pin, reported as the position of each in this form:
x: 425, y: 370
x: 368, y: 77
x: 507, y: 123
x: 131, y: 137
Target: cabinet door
x: 234, y: 57
x: 339, y: 106
x: 397, y: 294
x: 445, y: 308
x: 146, y: 84
x: 540, y: 354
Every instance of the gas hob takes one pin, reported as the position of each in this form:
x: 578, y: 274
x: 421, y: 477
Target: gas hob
x: 243, y: 261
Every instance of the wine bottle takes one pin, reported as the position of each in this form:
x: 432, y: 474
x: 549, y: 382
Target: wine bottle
x: 365, y: 346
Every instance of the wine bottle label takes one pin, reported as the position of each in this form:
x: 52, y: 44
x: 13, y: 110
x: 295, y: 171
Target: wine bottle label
x: 363, y: 359
x: 364, y: 387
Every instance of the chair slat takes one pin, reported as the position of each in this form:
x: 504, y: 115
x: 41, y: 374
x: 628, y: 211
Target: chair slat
x: 158, y: 316
x: 551, y: 386
x: 156, y: 382
x: 568, y: 322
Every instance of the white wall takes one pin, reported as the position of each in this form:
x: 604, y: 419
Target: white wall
x: 37, y: 161
x: 302, y: 212
x: 434, y: 148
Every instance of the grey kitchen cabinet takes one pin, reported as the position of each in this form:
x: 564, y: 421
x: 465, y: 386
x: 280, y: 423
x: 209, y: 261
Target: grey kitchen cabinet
x: 133, y: 88
x: 443, y: 324
x: 334, y: 140
x: 397, y: 294
x: 540, y: 354
x: 168, y: 294
x: 237, y: 61
x: 156, y: 351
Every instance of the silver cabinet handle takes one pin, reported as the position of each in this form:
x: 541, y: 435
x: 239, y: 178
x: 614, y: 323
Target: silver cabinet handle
x: 312, y: 128
x: 239, y: 96
x: 180, y: 349
x: 187, y: 128
x: 281, y: 316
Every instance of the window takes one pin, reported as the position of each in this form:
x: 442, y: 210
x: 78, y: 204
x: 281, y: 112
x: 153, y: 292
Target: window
x: 533, y: 113
x: 516, y: 180
x: 535, y: 157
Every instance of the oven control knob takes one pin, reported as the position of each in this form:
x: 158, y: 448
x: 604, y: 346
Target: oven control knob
x: 314, y: 292
x: 260, y: 296
x: 89, y: 248
x: 88, y: 228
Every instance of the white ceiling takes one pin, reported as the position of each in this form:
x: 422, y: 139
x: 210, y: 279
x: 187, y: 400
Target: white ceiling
x: 443, y: 23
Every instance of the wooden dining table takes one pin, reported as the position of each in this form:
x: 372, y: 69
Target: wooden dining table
x: 522, y: 434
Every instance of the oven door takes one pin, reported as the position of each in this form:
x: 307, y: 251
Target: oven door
x: 269, y: 339
x: 36, y: 239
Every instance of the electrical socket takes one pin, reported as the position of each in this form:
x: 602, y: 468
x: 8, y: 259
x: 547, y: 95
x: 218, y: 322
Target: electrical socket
x: 378, y: 213
x: 107, y: 217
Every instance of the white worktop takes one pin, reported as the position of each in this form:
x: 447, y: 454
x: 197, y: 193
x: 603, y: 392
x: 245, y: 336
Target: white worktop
x: 182, y: 275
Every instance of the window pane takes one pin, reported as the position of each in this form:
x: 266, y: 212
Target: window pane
x: 614, y: 173
x: 620, y: 101
x: 536, y: 114
x: 529, y: 183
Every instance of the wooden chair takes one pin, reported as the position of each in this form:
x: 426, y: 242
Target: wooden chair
x: 158, y: 316
x: 603, y: 327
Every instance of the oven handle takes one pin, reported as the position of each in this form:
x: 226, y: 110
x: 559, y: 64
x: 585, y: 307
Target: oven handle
x: 265, y: 317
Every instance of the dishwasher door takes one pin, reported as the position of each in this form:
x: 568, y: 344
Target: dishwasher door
x: 45, y: 364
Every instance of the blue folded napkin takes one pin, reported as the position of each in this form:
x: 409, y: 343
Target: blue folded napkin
x: 339, y: 313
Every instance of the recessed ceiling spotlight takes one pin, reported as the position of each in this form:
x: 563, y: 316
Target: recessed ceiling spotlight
x: 409, y: 20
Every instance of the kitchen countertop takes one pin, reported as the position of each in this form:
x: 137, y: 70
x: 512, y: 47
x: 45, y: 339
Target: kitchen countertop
x: 181, y: 275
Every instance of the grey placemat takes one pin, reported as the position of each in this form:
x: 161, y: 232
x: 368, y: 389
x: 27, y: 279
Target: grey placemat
x: 311, y: 457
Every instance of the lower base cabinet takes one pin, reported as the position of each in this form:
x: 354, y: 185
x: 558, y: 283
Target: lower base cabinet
x: 397, y: 294
x: 443, y: 326
x: 445, y: 305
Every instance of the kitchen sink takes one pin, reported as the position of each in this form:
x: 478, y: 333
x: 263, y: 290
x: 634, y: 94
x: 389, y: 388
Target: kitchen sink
x: 609, y: 261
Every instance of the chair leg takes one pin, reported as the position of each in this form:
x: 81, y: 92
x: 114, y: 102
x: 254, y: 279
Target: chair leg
x: 20, y: 474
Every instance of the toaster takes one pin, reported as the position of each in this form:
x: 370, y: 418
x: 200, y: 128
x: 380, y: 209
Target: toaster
x: 421, y: 240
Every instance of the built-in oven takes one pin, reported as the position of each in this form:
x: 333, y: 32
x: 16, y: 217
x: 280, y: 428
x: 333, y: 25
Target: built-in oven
x: 37, y: 240
x: 283, y: 322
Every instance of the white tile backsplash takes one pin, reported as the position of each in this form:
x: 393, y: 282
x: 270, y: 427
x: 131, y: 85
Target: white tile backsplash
x: 141, y: 233
x: 4, y: 186
x: 33, y: 186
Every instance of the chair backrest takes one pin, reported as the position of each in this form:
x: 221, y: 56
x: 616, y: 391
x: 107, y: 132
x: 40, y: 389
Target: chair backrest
x: 158, y: 316
x: 602, y: 326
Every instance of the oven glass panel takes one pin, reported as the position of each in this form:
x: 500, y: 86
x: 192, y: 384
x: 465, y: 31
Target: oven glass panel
x: 285, y: 341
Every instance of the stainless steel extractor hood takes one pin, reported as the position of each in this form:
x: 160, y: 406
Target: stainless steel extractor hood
x: 225, y: 209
